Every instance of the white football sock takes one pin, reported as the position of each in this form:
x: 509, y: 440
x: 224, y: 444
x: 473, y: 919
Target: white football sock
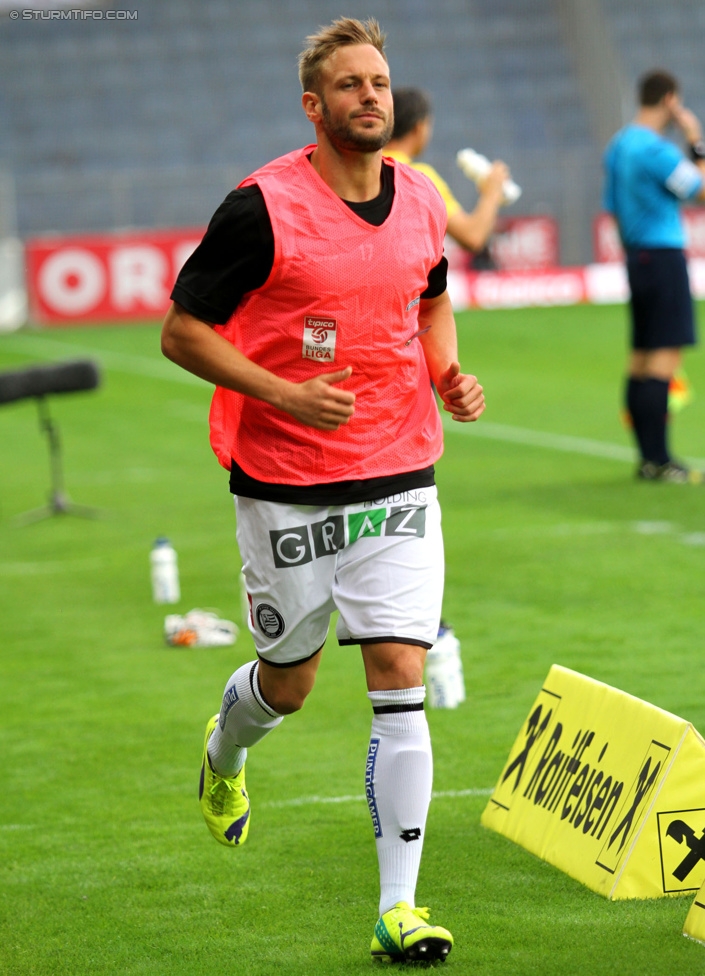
x: 245, y: 718
x: 398, y: 780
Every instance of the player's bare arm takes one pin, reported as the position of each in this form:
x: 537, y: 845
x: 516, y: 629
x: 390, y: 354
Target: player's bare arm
x: 472, y: 230
x: 195, y: 346
x: 687, y: 121
x: 461, y: 393
x: 690, y: 126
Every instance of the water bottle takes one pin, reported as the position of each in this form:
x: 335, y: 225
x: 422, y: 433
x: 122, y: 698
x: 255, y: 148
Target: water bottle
x: 452, y: 644
x: 165, y: 572
x: 445, y: 684
x: 476, y: 167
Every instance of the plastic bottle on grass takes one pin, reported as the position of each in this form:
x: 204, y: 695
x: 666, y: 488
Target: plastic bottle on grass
x: 445, y: 683
x: 165, y: 572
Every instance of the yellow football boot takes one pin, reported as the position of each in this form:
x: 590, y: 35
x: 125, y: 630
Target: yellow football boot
x: 224, y: 801
x: 401, y: 935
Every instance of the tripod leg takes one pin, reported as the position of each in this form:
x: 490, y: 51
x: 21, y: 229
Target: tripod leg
x: 59, y: 503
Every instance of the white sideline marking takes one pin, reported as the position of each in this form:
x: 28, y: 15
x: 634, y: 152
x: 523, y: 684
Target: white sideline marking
x: 654, y: 528
x: 553, y: 442
x: 157, y: 369
x: 304, y: 801
x: 693, y: 539
x: 477, y: 791
x: 51, y: 566
x: 538, y: 438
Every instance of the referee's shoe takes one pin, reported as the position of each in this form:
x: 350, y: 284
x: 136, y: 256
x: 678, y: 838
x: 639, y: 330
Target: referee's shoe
x: 671, y: 472
x: 224, y: 801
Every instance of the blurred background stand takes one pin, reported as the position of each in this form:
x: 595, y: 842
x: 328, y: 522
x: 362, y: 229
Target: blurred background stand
x: 38, y: 382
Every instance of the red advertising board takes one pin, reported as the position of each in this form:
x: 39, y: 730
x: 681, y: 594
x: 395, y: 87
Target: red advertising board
x: 599, y: 284
x: 517, y: 289
x: 525, y: 243
x: 517, y: 244
x: 106, y: 277
x: 129, y: 277
x: 605, y: 239
x: 608, y: 247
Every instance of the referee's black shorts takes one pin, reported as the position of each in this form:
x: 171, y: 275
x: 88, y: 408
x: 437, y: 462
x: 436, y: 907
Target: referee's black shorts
x: 661, y: 303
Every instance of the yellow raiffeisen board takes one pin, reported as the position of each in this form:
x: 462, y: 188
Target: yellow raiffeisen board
x: 694, y: 926
x: 608, y: 788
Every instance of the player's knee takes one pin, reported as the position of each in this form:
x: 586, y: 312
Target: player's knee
x: 286, y: 701
x: 395, y: 666
x: 285, y: 689
x: 403, y: 675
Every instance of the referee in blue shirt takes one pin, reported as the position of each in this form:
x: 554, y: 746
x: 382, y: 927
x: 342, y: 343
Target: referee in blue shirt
x: 647, y: 178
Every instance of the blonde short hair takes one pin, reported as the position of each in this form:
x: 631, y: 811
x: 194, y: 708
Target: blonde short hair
x: 341, y: 33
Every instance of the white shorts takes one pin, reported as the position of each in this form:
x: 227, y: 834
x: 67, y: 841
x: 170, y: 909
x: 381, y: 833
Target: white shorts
x: 380, y: 564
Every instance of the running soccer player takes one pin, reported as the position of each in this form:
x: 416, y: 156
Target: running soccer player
x: 413, y: 127
x: 647, y: 178
x: 317, y: 304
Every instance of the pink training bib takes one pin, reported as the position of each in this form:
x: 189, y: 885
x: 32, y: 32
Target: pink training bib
x: 341, y: 293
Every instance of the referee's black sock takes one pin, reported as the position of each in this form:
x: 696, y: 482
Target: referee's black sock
x: 633, y: 400
x: 647, y: 402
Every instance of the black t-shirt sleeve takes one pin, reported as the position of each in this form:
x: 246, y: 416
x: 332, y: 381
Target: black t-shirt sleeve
x: 437, y: 280
x: 234, y: 257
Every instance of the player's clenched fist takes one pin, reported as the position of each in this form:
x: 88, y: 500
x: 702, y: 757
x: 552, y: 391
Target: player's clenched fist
x: 461, y: 394
x: 318, y: 402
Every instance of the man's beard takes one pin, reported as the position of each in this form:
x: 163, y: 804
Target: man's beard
x: 343, y: 136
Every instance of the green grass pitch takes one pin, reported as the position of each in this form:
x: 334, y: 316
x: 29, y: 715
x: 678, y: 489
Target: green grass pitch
x: 553, y: 555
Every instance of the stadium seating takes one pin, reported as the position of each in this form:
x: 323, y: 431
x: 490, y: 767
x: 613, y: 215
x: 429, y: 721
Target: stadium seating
x: 150, y: 122
x: 649, y: 34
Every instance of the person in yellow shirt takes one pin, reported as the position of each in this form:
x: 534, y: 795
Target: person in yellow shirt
x: 413, y: 127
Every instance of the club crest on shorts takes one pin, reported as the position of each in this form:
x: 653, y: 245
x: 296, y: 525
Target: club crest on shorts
x: 319, y: 338
x: 269, y: 621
